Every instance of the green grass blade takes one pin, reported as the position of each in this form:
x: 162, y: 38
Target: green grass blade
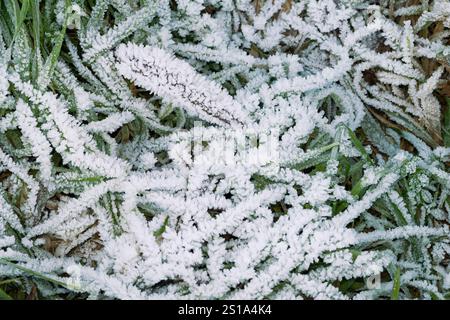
x: 3, y: 282
x: 32, y: 273
x: 36, y: 16
x: 36, y: 22
x: 50, y: 63
x: 4, y: 295
x: 396, y: 286
x: 358, y: 145
x: 21, y: 14
x: 162, y: 229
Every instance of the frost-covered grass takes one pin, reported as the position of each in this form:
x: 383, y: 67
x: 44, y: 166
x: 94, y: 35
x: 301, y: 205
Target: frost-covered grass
x: 224, y: 149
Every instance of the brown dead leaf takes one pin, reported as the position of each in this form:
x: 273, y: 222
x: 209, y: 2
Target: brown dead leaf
x: 133, y: 89
x: 51, y: 243
x: 257, y: 5
x: 444, y: 89
x: 406, y: 145
x: 438, y: 29
x: 287, y: 6
x: 33, y: 295
x: 4, y: 175
x: 384, y: 120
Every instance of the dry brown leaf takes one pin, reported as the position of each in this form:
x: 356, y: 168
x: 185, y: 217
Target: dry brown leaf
x: 257, y: 5
x: 287, y: 6
x: 33, y: 295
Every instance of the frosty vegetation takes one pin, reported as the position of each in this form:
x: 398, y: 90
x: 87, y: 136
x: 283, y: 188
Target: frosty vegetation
x: 225, y: 149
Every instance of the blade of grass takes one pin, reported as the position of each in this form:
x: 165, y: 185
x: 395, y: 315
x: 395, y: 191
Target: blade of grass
x: 8, y: 281
x: 35, y: 13
x: 314, y: 157
x: 396, y: 285
x: 358, y: 145
x: 399, y: 215
x: 158, y: 233
x: 51, y: 60
x: 36, y: 37
x: 5, y: 25
x: 21, y: 14
x: 4, y: 295
x: 33, y: 273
